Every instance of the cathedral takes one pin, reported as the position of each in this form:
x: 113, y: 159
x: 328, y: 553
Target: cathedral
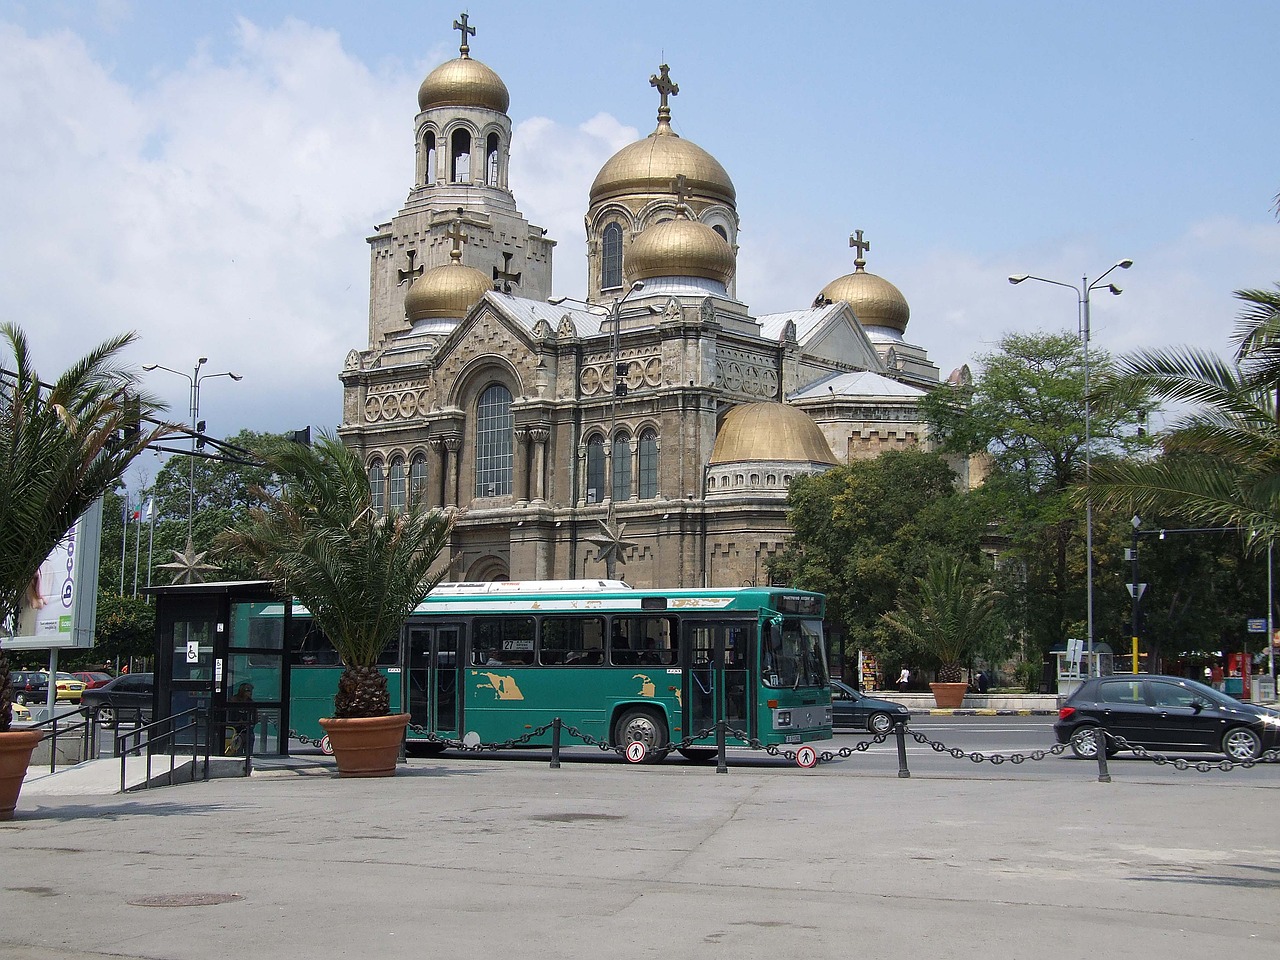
x: 647, y: 434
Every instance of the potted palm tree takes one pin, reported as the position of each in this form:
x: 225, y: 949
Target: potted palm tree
x: 62, y: 446
x: 359, y: 572
x: 947, y: 617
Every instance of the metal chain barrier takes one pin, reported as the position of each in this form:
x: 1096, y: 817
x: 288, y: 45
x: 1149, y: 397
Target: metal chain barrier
x: 1181, y: 763
x: 994, y: 758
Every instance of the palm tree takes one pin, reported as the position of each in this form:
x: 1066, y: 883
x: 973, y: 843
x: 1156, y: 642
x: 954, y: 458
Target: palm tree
x: 1222, y: 461
x: 359, y: 573
x: 947, y: 616
x: 62, y: 446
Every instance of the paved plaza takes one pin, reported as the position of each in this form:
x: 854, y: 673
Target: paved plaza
x: 499, y: 858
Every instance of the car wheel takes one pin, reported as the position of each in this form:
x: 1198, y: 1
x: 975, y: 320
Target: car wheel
x: 105, y: 715
x: 880, y: 723
x: 1084, y: 742
x: 21, y: 698
x: 698, y: 754
x: 1241, y: 743
x: 642, y: 726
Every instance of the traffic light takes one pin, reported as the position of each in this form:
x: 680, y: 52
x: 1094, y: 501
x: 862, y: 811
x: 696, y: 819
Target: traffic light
x: 302, y: 436
x: 131, y: 422
x: 619, y: 379
x: 200, y: 434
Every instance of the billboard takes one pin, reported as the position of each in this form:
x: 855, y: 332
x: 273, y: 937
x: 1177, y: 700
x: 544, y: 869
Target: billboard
x: 62, y: 602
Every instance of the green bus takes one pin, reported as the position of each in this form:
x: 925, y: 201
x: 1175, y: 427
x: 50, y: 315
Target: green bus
x: 491, y: 662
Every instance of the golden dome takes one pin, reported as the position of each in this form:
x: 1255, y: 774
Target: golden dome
x: 679, y: 248
x: 770, y: 431
x: 876, y: 302
x: 463, y: 83
x: 445, y: 293
x: 649, y: 165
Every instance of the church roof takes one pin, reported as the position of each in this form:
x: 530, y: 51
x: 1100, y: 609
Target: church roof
x: 528, y: 312
x: 858, y: 384
x: 807, y: 321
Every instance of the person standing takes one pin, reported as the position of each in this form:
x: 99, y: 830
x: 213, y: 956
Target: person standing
x: 904, y: 680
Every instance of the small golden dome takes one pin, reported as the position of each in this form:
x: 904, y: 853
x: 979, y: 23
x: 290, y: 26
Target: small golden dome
x: 876, y: 302
x: 463, y: 83
x: 445, y: 293
x: 649, y: 165
x: 679, y: 248
x: 770, y: 431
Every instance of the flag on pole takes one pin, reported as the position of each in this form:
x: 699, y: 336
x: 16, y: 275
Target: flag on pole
x: 151, y: 509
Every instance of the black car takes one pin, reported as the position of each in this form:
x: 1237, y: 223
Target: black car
x: 852, y: 708
x: 1164, y: 714
x: 128, y: 697
x: 29, y: 686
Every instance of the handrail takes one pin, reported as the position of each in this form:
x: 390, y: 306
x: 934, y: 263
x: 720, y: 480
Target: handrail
x: 89, y: 744
x: 162, y: 733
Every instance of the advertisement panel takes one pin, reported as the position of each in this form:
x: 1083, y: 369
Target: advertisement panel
x: 61, y: 605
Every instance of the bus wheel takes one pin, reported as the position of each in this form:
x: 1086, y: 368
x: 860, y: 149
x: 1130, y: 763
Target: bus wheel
x: 698, y: 754
x: 645, y: 726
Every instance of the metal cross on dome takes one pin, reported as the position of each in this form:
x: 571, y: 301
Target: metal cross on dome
x: 862, y: 246
x: 457, y: 235
x: 467, y: 31
x: 664, y: 85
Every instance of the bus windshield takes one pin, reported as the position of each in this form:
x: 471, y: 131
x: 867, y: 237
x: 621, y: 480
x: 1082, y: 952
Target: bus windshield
x: 795, y: 655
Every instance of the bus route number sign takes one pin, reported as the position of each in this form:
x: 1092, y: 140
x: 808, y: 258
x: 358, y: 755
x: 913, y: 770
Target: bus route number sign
x: 635, y: 751
x: 806, y: 757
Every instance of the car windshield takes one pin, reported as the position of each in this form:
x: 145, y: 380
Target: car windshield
x: 795, y: 654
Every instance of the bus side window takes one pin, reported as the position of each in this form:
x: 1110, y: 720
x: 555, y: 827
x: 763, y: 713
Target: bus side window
x: 572, y: 640
x: 502, y: 641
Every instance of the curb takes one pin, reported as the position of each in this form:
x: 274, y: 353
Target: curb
x: 983, y: 712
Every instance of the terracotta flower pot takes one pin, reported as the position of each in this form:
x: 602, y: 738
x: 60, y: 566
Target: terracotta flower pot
x: 948, y: 696
x: 366, y: 746
x: 15, y: 754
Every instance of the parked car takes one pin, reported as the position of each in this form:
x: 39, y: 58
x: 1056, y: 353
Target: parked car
x: 29, y: 686
x: 92, y: 679
x: 128, y: 697
x: 32, y: 686
x: 1164, y: 714
x: 852, y: 708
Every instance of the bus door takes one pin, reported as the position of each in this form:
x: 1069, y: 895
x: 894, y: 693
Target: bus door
x: 432, y: 661
x: 717, y: 680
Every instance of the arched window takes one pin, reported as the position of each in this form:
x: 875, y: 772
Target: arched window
x: 595, y: 469
x: 395, y: 485
x: 418, y: 479
x: 376, y: 488
x: 621, y: 467
x: 720, y: 230
x: 648, y: 465
x: 460, y: 156
x: 429, y: 151
x: 491, y: 160
x: 611, y: 257
x: 493, y: 442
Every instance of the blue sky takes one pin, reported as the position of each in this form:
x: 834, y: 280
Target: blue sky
x: 206, y: 173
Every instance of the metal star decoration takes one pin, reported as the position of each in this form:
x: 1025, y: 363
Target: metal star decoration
x: 611, y: 541
x: 189, y: 566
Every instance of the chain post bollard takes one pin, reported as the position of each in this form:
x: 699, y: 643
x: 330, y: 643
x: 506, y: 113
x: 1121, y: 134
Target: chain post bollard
x: 721, y: 765
x: 1100, y: 735
x: 900, y: 730
x: 555, y: 744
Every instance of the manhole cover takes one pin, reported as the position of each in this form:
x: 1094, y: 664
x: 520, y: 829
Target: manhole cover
x: 185, y: 900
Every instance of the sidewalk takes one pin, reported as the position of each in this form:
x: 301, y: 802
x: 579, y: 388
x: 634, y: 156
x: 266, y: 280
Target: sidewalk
x: 483, y: 858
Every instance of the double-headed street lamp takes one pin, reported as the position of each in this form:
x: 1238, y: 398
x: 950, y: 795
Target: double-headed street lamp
x: 195, y: 378
x: 1082, y: 300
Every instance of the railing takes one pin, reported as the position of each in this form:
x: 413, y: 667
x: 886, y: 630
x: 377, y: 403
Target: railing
x: 164, y: 738
x: 60, y: 724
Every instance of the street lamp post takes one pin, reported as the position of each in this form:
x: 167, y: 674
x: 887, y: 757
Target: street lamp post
x: 1082, y: 308
x: 194, y: 379
x: 611, y: 540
